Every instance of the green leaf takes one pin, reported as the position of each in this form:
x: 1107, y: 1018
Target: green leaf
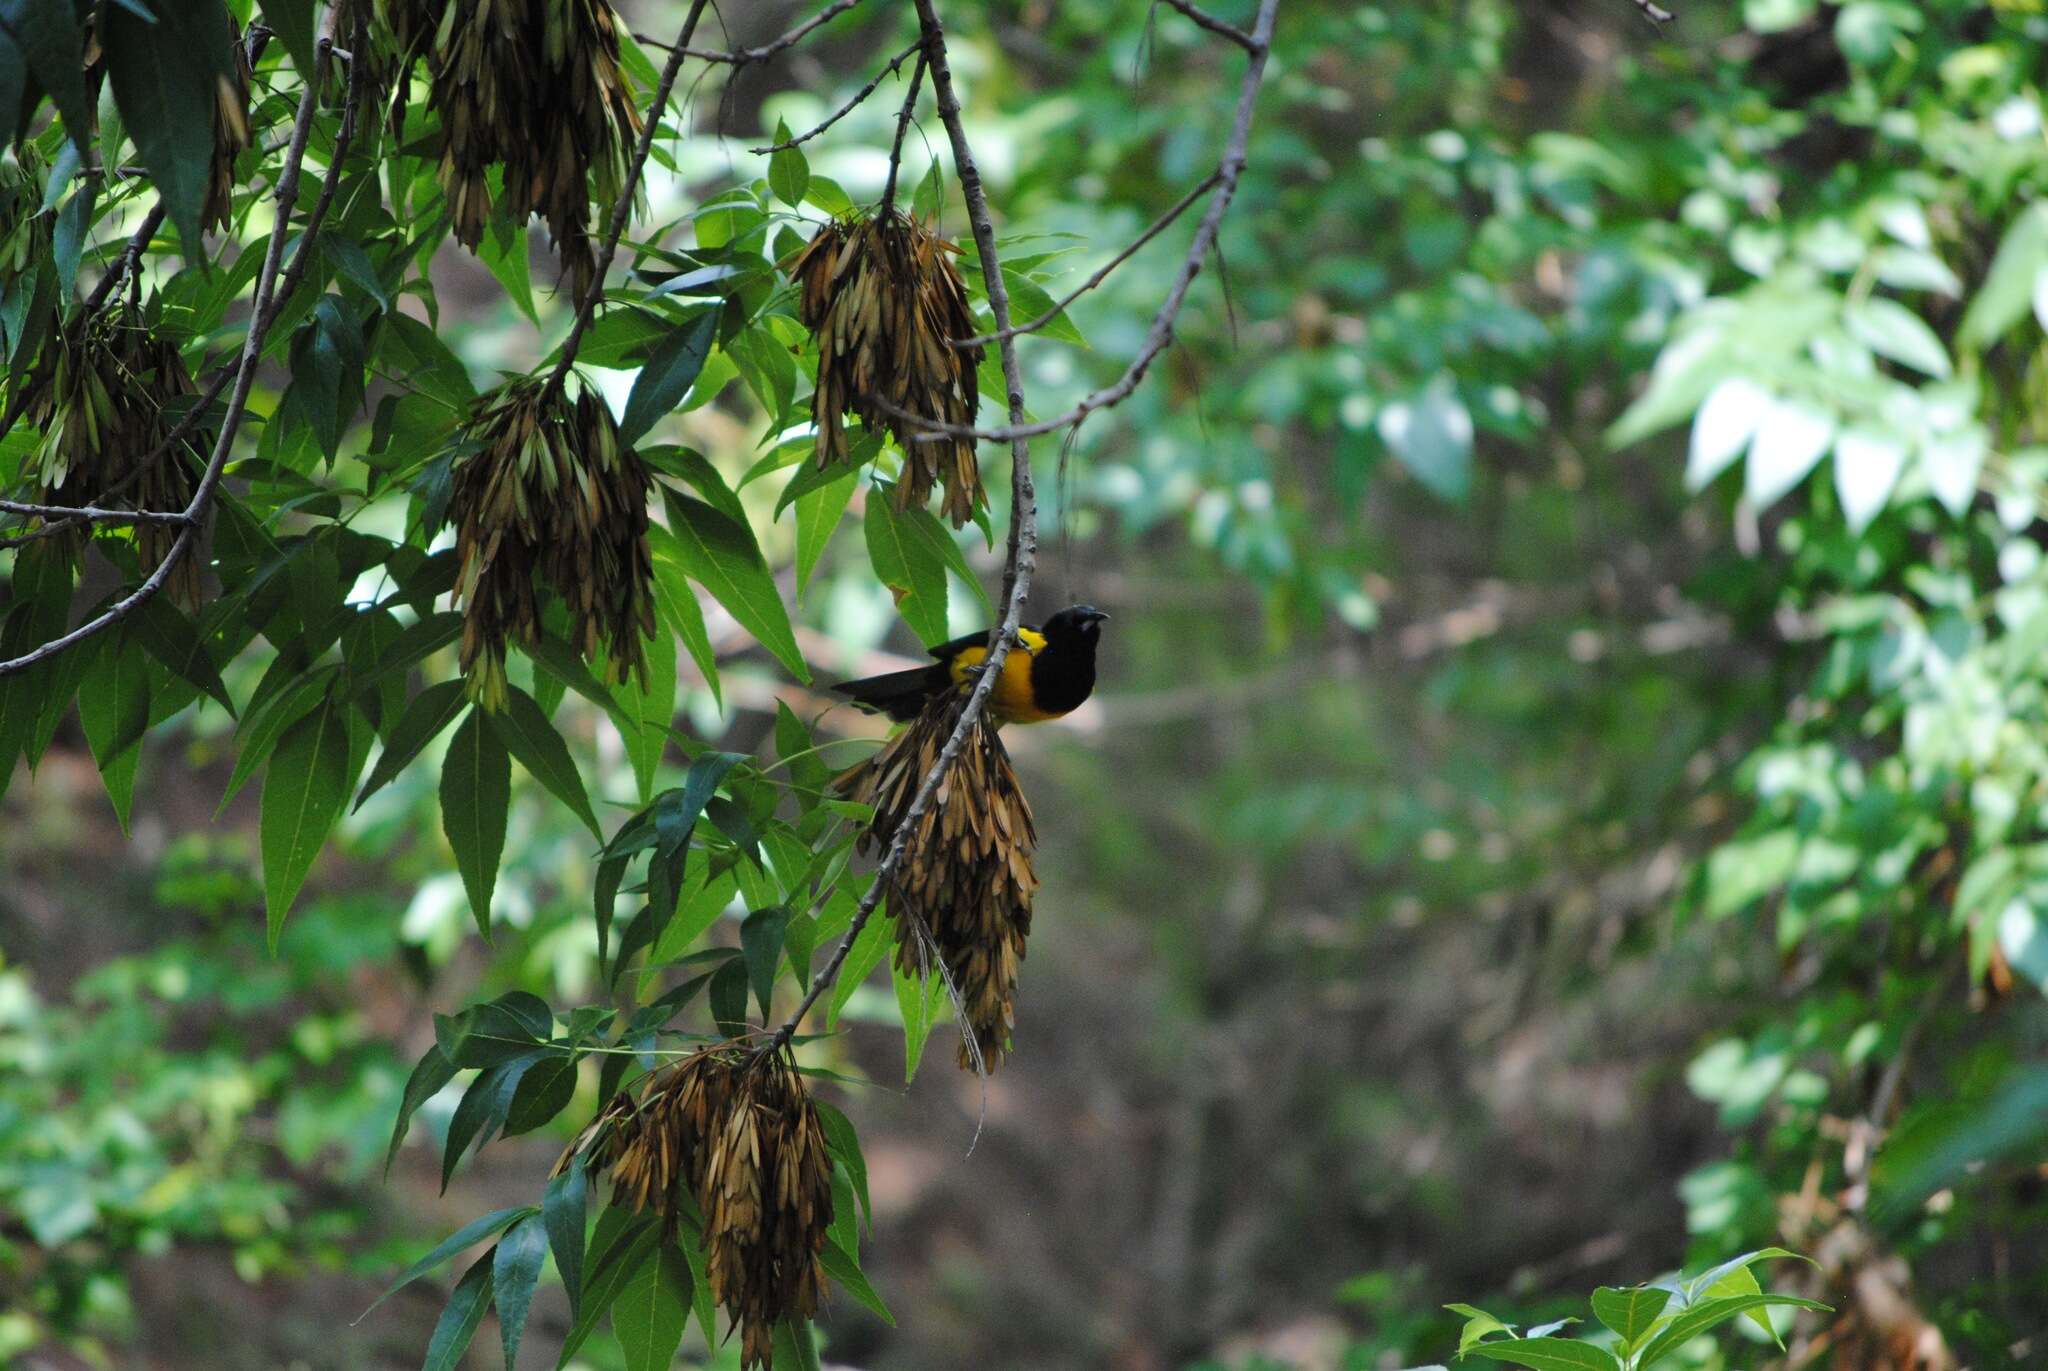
x: 503, y: 253
x: 428, y: 712
x: 469, y: 1235
x: 841, y: 1266
x: 761, y: 936
x: 481, y: 1111
x: 669, y: 372
x: 1891, y: 330
x: 722, y: 557
x: 429, y: 1075
x: 1030, y: 300
x: 515, y: 1270
x: 163, y: 77
x: 844, y: 1144
x: 170, y: 637
x: 305, y: 790
x: 459, y: 1321
x: 1547, y: 1354
x: 416, y: 356
x: 789, y: 172
x: 476, y: 795
x: 1630, y: 1313
x: 1478, y: 1324
x: 530, y: 735
x: 643, y: 711
x: 1709, y: 1314
x: 292, y: 22
x: 622, y: 1243
x: 818, y: 513
x: 563, y: 1208
x: 652, y: 1310
x: 728, y: 997
x: 919, y: 996
x: 826, y: 194
x: 908, y: 565
x: 113, y: 711
x: 929, y: 198
x: 1791, y: 438
x: 869, y: 946
x: 265, y: 724
x: 544, y: 1091
x: 327, y: 358
x: 2008, y: 290
x: 48, y: 45
x: 1867, y: 470
x: 1431, y: 433
x: 796, y: 1345
x: 676, y: 605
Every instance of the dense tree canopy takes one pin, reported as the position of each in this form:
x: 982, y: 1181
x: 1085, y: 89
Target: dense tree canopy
x: 1564, y: 806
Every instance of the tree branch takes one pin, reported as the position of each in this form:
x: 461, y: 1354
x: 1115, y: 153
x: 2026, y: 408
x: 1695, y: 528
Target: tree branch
x: 622, y: 211
x: 740, y: 57
x: 1159, y: 226
x: 862, y: 94
x: 1022, y: 559
x: 1204, y: 19
x: 902, y: 128
x: 1160, y: 335
x: 262, y: 312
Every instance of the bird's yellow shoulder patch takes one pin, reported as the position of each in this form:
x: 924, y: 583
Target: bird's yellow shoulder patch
x: 1011, y: 700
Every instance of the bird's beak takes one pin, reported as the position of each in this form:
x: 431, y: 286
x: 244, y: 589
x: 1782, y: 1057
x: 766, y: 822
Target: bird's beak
x: 1096, y: 616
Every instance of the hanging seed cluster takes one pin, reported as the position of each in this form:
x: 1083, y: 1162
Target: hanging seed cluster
x: 116, y: 391
x: 883, y: 298
x: 531, y: 88
x: 230, y: 136
x: 738, y: 1133
x: 24, y: 227
x: 966, y: 872
x: 546, y: 489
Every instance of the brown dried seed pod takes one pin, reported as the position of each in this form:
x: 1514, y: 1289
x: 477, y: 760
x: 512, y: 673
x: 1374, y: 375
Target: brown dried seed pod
x: 966, y: 874
x: 230, y: 136
x: 738, y: 1130
x: 533, y: 88
x: 883, y: 299
x: 115, y: 392
x: 547, y: 489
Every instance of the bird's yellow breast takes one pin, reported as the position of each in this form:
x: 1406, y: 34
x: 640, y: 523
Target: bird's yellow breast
x: 1011, y: 701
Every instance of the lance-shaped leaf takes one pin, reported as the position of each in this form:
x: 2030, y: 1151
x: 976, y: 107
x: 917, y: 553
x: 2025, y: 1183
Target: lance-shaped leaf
x: 722, y: 556
x: 476, y: 796
x: 531, y: 736
x: 304, y: 792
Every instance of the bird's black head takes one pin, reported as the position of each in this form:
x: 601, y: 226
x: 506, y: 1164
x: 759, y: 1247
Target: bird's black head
x: 1075, y: 622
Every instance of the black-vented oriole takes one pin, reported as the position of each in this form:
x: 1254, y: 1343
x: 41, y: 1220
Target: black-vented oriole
x: 1049, y: 672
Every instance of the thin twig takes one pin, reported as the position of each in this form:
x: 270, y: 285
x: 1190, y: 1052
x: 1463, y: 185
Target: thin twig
x: 1160, y: 335
x: 1159, y: 226
x: 262, y: 312
x: 129, y: 259
x: 740, y: 57
x: 1022, y: 559
x: 95, y: 514
x: 902, y: 127
x: 1206, y: 20
x: 849, y: 107
x: 622, y: 211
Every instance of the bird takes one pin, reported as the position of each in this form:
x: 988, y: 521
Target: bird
x: 1050, y: 672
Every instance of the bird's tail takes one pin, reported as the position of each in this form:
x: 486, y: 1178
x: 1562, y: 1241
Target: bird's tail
x: 898, y: 694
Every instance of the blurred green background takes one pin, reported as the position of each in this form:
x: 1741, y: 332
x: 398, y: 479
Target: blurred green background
x: 1494, y: 864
